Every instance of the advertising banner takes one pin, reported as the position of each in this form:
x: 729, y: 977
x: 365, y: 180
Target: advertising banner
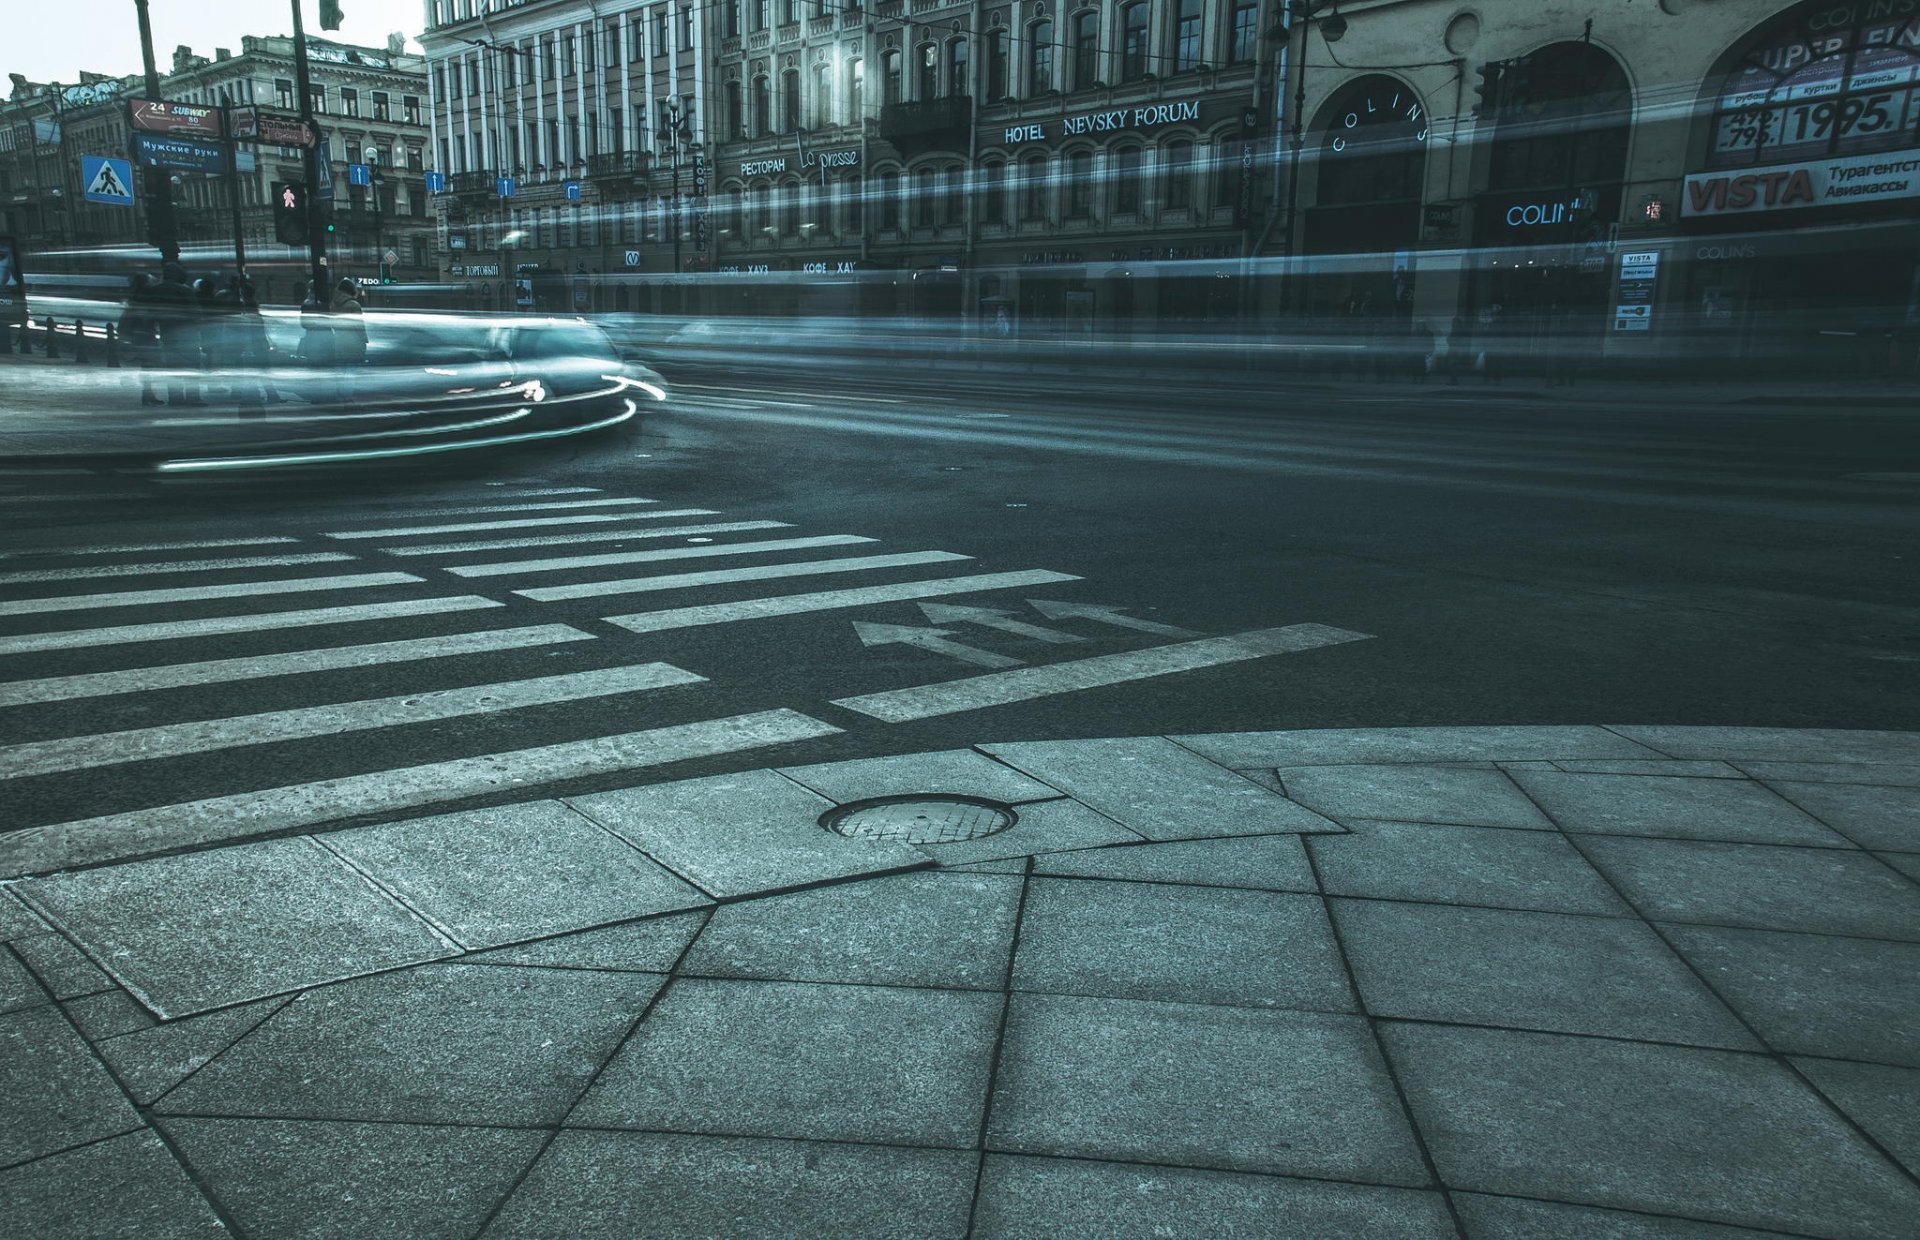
x: 173, y: 119
x: 253, y: 125
x: 180, y: 154
x: 1815, y: 183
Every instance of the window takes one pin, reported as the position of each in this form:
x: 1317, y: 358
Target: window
x: 566, y: 55
x: 349, y: 101
x: 416, y: 158
x: 790, y: 100
x: 789, y: 12
x: 1080, y: 185
x: 923, y: 198
x: 1133, y: 41
x: 822, y: 95
x: 730, y: 20
x: 890, y: 201
x: 583, y: 225
x: 790, y: 208
x: 382, y: 106
x: 1086, y: 49
x: 586, y: 54
x: 1126, y: 181
x: 1186, y: 37
x: 1033, y: 188
x: 659, y: 32
x: 685, y: 28
x: 1226, y: 172
x: 1244, y: 39
x: 956, y: 194
x: 1040, y: 58
x: 857, y: 90
x: 993, y: 194
x: 546, y: 60
x: 996, y: 65
x: 890, y: 77
x: 318, y: 96
x: 637, y: 37
x: 959, y: 81
x: 760, y: 14
x: 762, y: 107
x: 1177, y: 158
x: 856, y: 204
x: 736, y: 115
x: 736, y: 213
x: 410, y: 104
x: 611, y: 33
x: 927, y: 78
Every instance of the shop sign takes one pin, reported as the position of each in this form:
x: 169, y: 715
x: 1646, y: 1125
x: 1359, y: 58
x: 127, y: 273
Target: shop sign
x: 159, y: 116
x: 1146, y: 116
x: 483, y: 269
x: 828, y: 269
x: 181, y: 154
x: 1786, y: 187
x: 1551, y: 212
x: 848, y: 157
x: 1633, y: 295
x: 763, y: 167
x: 253, y: 125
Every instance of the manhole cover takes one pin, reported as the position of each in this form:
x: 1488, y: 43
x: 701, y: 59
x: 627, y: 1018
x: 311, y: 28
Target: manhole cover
x: 920, y: 819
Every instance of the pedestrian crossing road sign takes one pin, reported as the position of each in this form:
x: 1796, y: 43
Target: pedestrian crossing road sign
x: 107, y: 180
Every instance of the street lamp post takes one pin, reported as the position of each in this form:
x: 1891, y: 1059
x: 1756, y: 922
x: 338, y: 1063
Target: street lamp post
x: 1333, y: 28
x: 160, y: 226
x: 676, y: 137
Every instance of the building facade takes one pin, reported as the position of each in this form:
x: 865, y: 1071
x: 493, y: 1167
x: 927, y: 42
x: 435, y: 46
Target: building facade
x: 371, y: 108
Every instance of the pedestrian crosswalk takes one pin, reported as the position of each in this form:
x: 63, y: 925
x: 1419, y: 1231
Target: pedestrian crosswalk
x: 165, y: 694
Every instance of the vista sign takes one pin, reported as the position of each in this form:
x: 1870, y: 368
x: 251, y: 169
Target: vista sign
x: 1784, y: 187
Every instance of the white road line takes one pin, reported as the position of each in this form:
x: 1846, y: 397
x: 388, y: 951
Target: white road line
x: 525, y: 491
x: 831, y: 600
x: 175, y: 566
x: 580, y: 536
x: 647, y: 557
x: 1023, y: 684
x: 73, y: 753
x: 759, y: 572
x: 220, y: 671
x: 464, y: 527
x: 211, y: 626
x: 127, y: 548
x: 572, y: 503
x: 188, y: 594
x: 118, y: 837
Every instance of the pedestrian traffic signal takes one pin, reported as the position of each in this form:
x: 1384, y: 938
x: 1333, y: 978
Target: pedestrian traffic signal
x: 290, y: 211
x: 1487, y: 89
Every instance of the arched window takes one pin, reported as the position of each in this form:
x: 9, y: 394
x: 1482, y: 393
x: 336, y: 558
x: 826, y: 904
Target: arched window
x: 822, y: 95
x: 1040, y: 58
x: 923, y: 198
x: 996, y: 65
x: 1033, y: 187
x: 1561, y: 124
x: 789, y: 208
x: 736, y: 118
x: 1372, y: 165
x: 856, y: 213
x: 993, y: 193
x: 857, y: 90
x: 1126, y: 181
x: 959, y: 71
x: 1823, y: 80
x: 926, y: 78
x: 789, y: 100
x: 890, y: 76
x: 1086, y: 49
x: 956, y: 194
x: 1176, y: 159
x: 1080, y: 185
x: 1186, y: 36
x: 762, y: 107
x: 1133, y: 41
x: 889, y: 199
x: 736, y: 216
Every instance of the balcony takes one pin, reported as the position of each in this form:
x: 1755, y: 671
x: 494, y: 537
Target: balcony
x: 927, y: 123
x: 472, y: 183
x: 618, y: 164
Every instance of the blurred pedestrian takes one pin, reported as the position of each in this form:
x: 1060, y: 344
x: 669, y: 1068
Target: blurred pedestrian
x: 350, y: 328
x: 244, y: 349
x: 139, y: 335
x: 177, y: 317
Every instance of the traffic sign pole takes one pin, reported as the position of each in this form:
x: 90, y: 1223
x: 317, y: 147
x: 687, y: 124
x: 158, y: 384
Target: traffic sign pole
x: 316, y: 237
x: 160, y: 226
x: 233, y: 183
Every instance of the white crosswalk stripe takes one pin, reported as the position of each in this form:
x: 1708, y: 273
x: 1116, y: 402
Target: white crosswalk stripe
x: 557, y: 564
x: 470, y: 527
x: 202, y: 544
x: 554, y: 506
x: 173, y: 566
x: 215, y: 626
x: 192, y: 594
x: 600, y: 535
x: 260, y: 667
x: 727, y: 576
x: 170, y: 740
x: 832, y: 600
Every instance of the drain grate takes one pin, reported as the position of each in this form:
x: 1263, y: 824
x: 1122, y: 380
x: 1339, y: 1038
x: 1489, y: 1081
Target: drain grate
x: 920, y: 819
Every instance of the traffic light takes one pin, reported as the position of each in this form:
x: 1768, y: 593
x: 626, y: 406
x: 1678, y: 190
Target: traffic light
x: 330, y: 15
x: 1488, y: 89
x: 290, y: 211
x: 327, y: 223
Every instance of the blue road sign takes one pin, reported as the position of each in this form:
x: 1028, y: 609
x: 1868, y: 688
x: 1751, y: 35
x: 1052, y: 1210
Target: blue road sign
x: 321, y: 174
x: 359, y: 174
x: 182, y: 154
x: 572, y: 191
x: 503, y: 186
x: 436, y: 182
x: 107, y: 180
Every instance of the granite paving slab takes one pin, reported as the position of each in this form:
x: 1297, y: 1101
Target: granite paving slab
x: 202, y: 930
x: 1707, y: 1134
x: 598, y: 1185
x: 651, y: 946
x: 1159, y: 789
x: 1890, y: 774
x: 494, y: 876
x: 924, y: 929
x: 1414, y: 793
x: 1778, y: 744
x: 1675, y: 808
x: 784, y: 1059
x: 1267, y: 862
x: 448, y: 1043
x: 1517, y: 1218
x: 126, y: 1187
x: 1906, y: 863
x: 1006, y: 865
x: 63, y: 968
x: 16, y: 919
x: 739, y: 835
x: 149, y: 1062
x: 1337, y: 745
x: 333, y: 1181
x: 1195, y: 1085
x: 1660, y: 766
x: 1547, y: 971
x: 1074, y: 1199
x: 1043, y: 827
x: 1881, y: 1099
x: 53, y: 1093
x: 1820, y: 890
x: 1814, y: 994
x: 1180, y: 943
x: 961, y: 772
x: 1462, y: 865
x: 106, y: 1015
x: 19, y: 989
x: 1872, y: 817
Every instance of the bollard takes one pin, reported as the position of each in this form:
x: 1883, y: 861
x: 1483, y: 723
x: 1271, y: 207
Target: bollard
x: 113, y: 345
x: 53, y: 340
x: 79, y: 341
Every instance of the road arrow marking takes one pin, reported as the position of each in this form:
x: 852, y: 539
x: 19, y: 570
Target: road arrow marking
x: 993, y: 618
x: 1106, y: 615
x: 933, y: 640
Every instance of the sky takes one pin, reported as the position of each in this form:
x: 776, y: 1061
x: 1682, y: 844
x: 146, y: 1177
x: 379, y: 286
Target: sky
x: 53, y: 40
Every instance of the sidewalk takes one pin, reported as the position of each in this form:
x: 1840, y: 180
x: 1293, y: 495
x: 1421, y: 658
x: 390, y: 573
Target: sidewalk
x: 1494, y: 982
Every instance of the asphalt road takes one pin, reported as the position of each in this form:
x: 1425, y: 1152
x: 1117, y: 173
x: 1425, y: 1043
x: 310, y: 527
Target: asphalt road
x: 1275, y: 557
